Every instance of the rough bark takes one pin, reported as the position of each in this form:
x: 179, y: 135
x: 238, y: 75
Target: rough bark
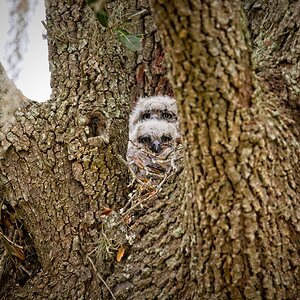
x: 62, y: 160
x: 241, y: 159
x: 227, y: 227
x: 10, y: 100
x: 274, y: 27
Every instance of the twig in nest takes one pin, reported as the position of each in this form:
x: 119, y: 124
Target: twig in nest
x: 3, y: 260
x: 140, y: 202
x: 149, y: 196
x: 11, y: 247
x: 149, y: 171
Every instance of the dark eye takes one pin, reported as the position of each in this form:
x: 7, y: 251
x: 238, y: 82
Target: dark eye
x: 166, y: 138
x: 144, y: 139
x: 167, y: 116
x: 146, y: 116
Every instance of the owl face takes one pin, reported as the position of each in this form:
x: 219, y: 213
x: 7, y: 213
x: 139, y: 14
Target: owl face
x: 154, y: 135
x: 155, y: 144
x: 154, y: 108
x: 157, y: 114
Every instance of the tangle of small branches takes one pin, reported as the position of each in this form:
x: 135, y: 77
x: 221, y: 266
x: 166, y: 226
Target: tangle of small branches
x: 18, y: 258
x: 19, y: 15
x: 149, y: 175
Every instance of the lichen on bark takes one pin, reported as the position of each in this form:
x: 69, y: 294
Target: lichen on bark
x: 234, y: 156
x: 226, y: 227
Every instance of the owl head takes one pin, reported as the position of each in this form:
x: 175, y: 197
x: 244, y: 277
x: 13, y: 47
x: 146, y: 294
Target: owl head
x: 154, y: 135
x: 154, y: 108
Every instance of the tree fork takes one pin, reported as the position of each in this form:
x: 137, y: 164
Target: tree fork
x: 226, y: 227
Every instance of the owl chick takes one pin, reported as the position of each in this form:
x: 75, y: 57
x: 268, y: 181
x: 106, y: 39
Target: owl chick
x: 155, y: 107
x: 150, y: 145
x: 155, y: 136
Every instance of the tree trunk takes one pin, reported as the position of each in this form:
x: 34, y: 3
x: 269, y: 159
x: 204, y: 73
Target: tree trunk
x: 226, y: 227
x: 244, y: 204
x: 274, y: 27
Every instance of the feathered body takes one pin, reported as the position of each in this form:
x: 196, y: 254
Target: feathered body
x: 153, y: 136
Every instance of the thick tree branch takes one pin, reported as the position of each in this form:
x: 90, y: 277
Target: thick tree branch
x: 275, y: 33
x: 211, y: 69
x: 63, y: 168
x: 11, y: 99
x: 234, y: 155
x: 7, y: 86
x: 228, y: 229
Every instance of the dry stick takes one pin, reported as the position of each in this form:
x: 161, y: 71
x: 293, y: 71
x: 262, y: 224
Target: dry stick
x: 3, y: 260
x: 135, y: 178
x: 99, y: 276
x: 29, y: 273
x: 150, y: 196
x: 140, y: 202
x: 1, y: 205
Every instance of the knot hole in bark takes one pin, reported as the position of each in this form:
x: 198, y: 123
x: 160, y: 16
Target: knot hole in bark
x: 97, y: 124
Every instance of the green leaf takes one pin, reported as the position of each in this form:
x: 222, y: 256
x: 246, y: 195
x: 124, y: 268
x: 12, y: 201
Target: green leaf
x: 131, y: 41
x: 102, y: 16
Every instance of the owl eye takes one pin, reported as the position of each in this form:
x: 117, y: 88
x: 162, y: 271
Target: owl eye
x: 166, y: 138
x: 144, y: 140
x: 167, y: 116
x: 146, y: 116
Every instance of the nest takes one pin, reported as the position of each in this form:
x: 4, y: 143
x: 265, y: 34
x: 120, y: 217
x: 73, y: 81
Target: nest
x: 18, y: 258
x: 149, y: 171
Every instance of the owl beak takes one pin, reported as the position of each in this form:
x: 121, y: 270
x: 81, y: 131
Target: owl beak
x: 155, y: 147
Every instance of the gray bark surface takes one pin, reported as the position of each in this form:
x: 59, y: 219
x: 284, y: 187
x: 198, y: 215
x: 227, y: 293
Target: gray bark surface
x: 225, y: 227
